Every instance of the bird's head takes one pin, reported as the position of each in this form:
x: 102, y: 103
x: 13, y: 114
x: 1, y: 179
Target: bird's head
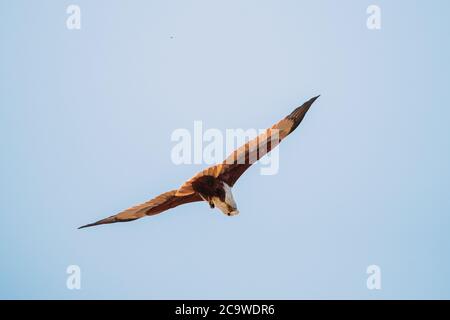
x: 225, y: 202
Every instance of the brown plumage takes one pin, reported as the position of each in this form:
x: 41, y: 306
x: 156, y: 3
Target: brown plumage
x: 157, y: 205
x: 214, y: 183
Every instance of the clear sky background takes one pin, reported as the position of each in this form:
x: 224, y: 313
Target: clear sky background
x: 85, y: 123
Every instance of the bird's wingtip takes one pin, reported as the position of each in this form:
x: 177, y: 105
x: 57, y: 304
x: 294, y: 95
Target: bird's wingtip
x: 86, y: 226
x: 309, y: 103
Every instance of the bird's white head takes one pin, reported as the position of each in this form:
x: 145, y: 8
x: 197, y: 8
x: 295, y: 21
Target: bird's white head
x: 228, y: 206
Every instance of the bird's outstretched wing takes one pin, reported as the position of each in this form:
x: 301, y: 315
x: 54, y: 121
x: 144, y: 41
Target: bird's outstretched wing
x: 242, y: 158
x: 157, y: 205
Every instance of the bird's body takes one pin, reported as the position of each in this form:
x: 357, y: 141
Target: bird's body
x: 214, y: 184
x: 217, y: 193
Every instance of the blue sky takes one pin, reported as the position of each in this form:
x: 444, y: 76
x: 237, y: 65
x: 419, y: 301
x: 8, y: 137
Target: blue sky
x: 86, y: 118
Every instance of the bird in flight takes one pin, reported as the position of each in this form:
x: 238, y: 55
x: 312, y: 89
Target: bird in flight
x: 214, y: 184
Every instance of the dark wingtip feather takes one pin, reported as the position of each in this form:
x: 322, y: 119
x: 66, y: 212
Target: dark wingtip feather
x: 108, y: 220
x: 298, y: 114
x: 87, y: 226
x: 103, y: 221
x: 314, y: 99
